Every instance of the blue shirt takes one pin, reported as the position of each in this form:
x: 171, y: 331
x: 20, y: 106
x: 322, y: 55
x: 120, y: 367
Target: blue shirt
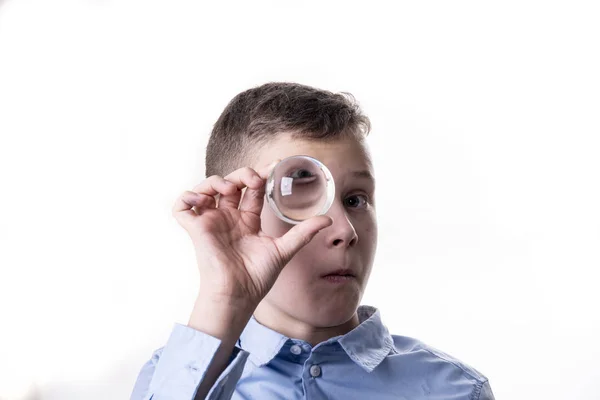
x: 365, y: 363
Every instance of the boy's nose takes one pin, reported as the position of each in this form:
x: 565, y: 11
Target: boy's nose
x: 341, y: 232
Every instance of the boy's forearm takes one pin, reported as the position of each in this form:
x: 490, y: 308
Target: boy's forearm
x: 225, y: 321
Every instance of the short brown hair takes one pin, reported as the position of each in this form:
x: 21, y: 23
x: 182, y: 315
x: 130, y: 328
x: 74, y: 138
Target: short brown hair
x: 258, y: 115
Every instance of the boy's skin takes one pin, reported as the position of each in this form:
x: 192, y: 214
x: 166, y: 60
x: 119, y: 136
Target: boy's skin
x: 241, y: 253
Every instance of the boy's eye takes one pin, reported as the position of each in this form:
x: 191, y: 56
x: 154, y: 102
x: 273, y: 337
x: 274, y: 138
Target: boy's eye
x: 355, y: 201
x: 301, y: 173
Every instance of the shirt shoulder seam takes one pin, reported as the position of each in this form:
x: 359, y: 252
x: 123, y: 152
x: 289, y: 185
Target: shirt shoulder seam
x: 477, y: 392
x: 480, y: 379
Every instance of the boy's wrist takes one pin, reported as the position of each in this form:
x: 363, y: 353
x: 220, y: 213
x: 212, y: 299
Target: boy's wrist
x: 223, y: 318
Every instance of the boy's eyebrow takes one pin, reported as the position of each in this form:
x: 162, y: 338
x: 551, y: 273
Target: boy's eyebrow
x: 364, y: 174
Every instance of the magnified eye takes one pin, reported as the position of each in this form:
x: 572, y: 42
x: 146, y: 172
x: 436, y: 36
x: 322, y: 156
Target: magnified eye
x: 299, y: 188
x: 303, y: 174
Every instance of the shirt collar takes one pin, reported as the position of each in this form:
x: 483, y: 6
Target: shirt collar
x: 367, y: 345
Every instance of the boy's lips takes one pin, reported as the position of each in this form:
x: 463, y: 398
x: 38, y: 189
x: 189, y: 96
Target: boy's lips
x: 340, y: 272
x: 340, y: 276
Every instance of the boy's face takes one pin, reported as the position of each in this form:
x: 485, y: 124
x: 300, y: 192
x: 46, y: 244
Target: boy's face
x: 301, y: 293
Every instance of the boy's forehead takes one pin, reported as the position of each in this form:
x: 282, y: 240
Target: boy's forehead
x: 340, y: 154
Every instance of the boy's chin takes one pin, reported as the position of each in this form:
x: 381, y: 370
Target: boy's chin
x: 330, y: 315
x: 318, y: 313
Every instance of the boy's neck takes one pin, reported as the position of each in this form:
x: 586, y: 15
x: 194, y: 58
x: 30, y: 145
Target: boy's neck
x: 282, y: 322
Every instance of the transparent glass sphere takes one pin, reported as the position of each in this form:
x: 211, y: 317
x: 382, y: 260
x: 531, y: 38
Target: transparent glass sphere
x: 300, y: 187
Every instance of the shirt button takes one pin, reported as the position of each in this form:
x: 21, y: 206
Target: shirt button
x: 315, y: 371
x: 295, y: 349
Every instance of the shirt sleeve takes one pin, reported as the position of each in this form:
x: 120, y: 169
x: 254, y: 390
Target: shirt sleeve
x: 485, y: 392
x: 175, y: 371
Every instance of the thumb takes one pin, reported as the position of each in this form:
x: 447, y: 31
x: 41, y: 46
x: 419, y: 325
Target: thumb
x: 300, y: 235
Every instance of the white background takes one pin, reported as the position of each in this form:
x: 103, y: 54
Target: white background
x: 485, y: 139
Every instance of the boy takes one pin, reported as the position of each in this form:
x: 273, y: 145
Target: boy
x: 277, y: 314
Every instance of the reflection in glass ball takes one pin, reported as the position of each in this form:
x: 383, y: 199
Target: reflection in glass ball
x: 300, y: 187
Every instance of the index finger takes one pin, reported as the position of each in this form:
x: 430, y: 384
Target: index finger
x: 265, y: 170
x: 240, y: 177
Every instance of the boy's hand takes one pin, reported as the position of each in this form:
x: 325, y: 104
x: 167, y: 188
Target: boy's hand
x: 238, y: 262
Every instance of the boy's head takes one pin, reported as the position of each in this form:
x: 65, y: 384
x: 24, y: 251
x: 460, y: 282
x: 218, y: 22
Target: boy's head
x: 278, y: 120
